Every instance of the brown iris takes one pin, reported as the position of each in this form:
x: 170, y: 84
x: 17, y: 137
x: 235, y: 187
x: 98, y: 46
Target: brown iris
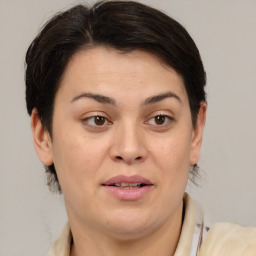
x: 99, y: 120
x: 160, y: 119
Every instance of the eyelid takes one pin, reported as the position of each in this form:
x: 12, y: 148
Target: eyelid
x: 166, y: 113
x: 89, y: 116
x: 94, y: 114
x: 166, y: 123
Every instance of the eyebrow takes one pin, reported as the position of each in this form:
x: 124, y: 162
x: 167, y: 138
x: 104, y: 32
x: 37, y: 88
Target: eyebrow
x: 160, y: 97
x: 107, y: 100
x: 97, y: 97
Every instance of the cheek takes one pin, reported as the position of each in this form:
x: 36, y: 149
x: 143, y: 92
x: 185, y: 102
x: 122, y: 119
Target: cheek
x: 173, y: 154
x: 77, y: 159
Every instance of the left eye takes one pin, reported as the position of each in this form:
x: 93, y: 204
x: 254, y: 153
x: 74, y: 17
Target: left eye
x: 96, y: 121
x: 159, y: 120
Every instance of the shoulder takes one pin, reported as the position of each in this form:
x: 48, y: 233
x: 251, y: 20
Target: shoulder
x: 61, y: 246
x: 229, y: 239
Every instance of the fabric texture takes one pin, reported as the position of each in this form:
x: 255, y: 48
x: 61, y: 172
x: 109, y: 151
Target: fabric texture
x: 223, y: 239
x: 61, y: 246
x: 229, y: 239
x: 185, y: 242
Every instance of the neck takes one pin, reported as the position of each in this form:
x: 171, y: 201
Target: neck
x: 164, y: 239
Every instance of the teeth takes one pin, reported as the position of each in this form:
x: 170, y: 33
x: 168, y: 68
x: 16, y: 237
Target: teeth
x: 124, y: 185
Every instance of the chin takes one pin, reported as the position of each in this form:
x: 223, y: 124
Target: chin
x: 130, y: 225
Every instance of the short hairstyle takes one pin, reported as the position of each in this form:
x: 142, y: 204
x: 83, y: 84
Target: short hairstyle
x: 122, y: 25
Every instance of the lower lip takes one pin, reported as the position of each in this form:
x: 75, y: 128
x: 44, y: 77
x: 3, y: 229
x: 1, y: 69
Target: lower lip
x: 128, y: 194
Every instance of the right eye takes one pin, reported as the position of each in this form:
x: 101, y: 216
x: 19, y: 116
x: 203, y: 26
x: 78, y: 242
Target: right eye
x: 96, y: 121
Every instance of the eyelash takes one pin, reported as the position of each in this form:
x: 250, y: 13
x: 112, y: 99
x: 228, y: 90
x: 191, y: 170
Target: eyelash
x: 91, y: 121
x: 93, y: 118
x: 167, y: 120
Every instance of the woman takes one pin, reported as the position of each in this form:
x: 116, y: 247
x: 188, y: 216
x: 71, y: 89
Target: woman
x: 117, y: 104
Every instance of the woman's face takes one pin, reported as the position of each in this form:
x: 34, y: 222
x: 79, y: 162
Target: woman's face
x: 122, y: 141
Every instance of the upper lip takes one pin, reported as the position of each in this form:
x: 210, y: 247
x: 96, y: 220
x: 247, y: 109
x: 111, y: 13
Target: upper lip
x: 127, y: 179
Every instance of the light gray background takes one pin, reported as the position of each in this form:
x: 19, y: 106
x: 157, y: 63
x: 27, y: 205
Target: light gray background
x: 31, y: 217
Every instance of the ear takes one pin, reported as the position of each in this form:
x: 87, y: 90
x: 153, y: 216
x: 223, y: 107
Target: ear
x: 42, y: 139
x: 198, y: 134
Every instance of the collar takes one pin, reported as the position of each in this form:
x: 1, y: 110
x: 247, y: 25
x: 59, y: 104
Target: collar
x: 191, y: 231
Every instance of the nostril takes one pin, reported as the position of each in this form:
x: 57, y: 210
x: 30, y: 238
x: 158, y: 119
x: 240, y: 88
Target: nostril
x: 138, y: 158
x: 119, y: 158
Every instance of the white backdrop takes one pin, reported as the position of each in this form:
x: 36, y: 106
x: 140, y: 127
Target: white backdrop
x: 31, y: 217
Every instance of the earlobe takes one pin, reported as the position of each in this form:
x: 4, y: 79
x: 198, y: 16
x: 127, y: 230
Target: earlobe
x: 42, y: 139
x: 198, y: 134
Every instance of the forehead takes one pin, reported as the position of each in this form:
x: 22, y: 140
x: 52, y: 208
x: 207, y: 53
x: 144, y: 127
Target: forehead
x: 107, y: 69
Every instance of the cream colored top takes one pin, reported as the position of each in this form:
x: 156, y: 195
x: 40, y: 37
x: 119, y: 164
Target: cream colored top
x: 223, y: 239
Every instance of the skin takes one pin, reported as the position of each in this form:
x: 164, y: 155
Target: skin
x: 128, y: 140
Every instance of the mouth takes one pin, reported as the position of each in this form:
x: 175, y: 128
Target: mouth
x: 128, y: 188
x: 124, y: 185
x: 128, y: 182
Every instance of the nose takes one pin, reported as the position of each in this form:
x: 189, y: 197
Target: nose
x: 128, y: 146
